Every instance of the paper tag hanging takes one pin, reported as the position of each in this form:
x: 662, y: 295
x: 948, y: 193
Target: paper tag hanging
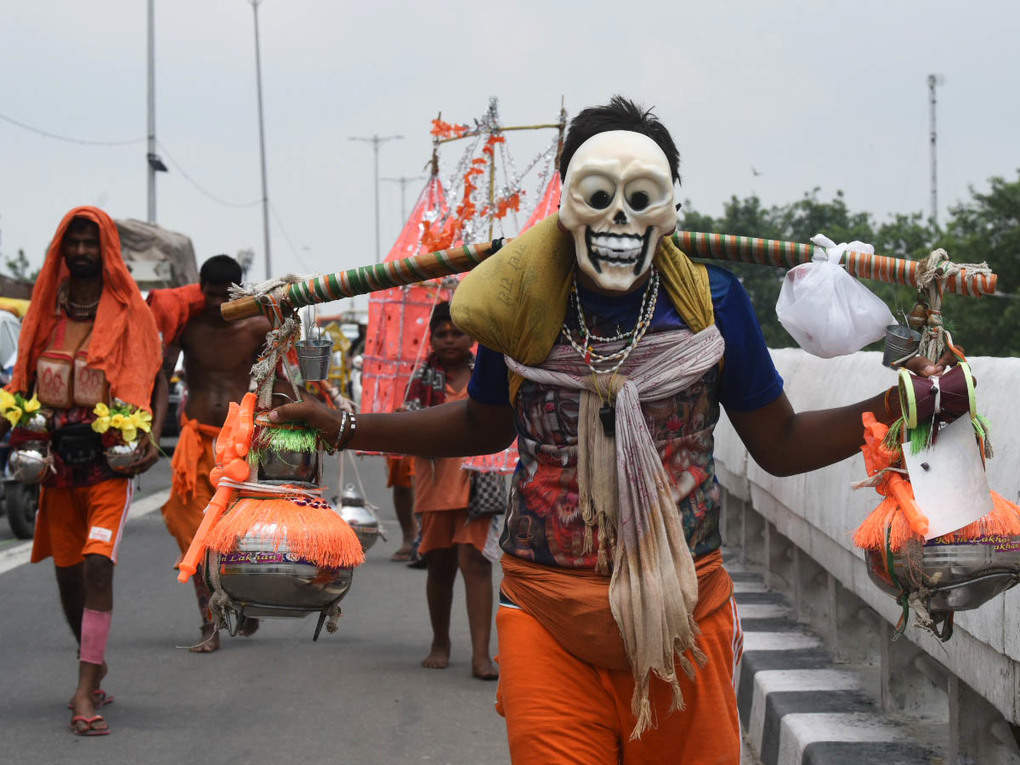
x: 949, y: 480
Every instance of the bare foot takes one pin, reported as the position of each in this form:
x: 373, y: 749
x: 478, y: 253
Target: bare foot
x: 484, y: 669
x: 247, y: 627
x: 438, y: 658
x: 210, y: 640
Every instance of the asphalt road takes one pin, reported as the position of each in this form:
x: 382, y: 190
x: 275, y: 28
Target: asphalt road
x: 357, y: 696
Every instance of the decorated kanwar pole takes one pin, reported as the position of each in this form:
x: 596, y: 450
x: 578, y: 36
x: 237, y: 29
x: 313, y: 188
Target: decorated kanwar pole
x: 722, y: 247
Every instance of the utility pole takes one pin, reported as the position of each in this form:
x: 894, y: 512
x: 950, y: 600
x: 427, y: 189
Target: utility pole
x: 262, y: 141
x: 403, y: 181
x: 152, y: 160
x: 933, y: 80
x: 375, y: 140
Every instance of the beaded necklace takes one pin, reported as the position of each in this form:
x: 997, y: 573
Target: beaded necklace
x: 607, y: 412
x: 592, y: 357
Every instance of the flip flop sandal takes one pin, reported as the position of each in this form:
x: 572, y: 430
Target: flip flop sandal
x: 90, y: 728
x: 99, y: 697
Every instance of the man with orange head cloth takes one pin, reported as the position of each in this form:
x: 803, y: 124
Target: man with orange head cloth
x: 88, y: 345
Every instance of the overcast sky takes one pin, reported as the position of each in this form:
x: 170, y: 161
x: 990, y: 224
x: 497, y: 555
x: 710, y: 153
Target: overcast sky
x: 829, y: 94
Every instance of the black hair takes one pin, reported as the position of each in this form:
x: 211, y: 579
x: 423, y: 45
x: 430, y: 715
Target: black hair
x: 440, y: 314
x: 220, y: 269
x: 619, y: 114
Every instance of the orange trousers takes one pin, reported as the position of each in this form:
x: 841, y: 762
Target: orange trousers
x: 560, y: 710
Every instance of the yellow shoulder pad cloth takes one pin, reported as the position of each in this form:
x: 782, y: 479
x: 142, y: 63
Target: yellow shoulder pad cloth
x: 515, y: 301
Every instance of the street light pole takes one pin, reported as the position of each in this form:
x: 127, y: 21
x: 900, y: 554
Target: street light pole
x: 154, y: 163
x: 933, y: 80
x: 375, y: 140
x: 403, y: 181
x: 262, y: 141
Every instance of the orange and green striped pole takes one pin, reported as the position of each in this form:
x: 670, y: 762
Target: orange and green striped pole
x: 772, y: 252
x: 360, y: 281
x: 724, y: 247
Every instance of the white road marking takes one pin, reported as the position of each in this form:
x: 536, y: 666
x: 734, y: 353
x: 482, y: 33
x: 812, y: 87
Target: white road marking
x: 19, y: 554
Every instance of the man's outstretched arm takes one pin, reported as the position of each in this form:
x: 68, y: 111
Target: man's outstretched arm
x: 785, y: 442
x: 457, y: 429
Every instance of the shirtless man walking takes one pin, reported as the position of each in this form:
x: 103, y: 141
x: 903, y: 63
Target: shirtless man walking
x: 217, y: 361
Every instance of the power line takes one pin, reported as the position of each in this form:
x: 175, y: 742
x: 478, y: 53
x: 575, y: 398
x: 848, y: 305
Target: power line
x: 66, y: 138
x: 197, y: 185
x: 288, y: 240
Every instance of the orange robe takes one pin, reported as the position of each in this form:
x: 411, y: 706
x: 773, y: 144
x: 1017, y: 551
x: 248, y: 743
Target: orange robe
x: 125, y: 347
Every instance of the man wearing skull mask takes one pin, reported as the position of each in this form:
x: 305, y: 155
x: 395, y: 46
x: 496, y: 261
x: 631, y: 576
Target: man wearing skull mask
x: 611, y: 375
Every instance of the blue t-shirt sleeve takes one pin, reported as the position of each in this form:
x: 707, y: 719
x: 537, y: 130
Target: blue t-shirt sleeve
x: 489, y: 383
x: 749, y: 378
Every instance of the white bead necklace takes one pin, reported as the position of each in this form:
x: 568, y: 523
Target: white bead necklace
x: 592, y: 357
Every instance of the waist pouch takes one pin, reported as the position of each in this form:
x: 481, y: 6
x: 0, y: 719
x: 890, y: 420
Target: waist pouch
x: 78, y: 444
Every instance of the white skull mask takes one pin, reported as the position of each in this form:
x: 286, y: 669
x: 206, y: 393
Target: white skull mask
x: 618, y: 203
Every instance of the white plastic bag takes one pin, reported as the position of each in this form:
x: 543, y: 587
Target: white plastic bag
x: 826, y: 310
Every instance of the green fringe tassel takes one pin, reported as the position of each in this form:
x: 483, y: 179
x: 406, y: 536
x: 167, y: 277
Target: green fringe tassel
x: 275, y: 440
x: 920, y: 438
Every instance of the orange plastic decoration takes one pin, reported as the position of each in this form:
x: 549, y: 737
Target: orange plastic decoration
x: 230, y: 463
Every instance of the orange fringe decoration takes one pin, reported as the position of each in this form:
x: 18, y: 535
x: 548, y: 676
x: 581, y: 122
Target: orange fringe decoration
x: 902, y: 527
x: 314, y: 532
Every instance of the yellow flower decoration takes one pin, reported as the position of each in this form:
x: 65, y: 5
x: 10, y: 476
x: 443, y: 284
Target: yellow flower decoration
x: 142, y: 420
x: 118, y: 420
x: 13, y: 415
x: 6, y: 399
x: 129, y: 433
x: 101, y: 410
x: 32, y: 405
x: 101, y: 425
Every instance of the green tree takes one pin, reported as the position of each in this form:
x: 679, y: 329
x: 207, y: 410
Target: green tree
x: 19, y: 268
x: 986, y: 228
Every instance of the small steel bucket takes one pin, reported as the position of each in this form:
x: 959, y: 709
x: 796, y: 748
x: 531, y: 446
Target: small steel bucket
x: 313, y: 357
x: 900, y: 343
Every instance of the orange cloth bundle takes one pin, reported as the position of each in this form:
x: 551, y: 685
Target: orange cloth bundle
x: 125, y: 342
x: 172, y: 308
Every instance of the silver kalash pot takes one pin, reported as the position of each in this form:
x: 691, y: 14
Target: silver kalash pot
x: 261, y: 578
x: 359, y: 517
x: 945, y: 577
x: 30, y: 463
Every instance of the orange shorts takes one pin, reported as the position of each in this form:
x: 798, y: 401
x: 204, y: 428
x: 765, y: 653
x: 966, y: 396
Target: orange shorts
x: 80, y: 521
x: 446, y: 528
x: 399, y: 471
x: 563, y: 711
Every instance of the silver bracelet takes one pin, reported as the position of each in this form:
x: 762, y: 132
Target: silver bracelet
x: 345, y: 436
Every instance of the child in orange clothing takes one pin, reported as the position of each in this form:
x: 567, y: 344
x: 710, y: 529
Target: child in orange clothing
x: 449, y: 540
